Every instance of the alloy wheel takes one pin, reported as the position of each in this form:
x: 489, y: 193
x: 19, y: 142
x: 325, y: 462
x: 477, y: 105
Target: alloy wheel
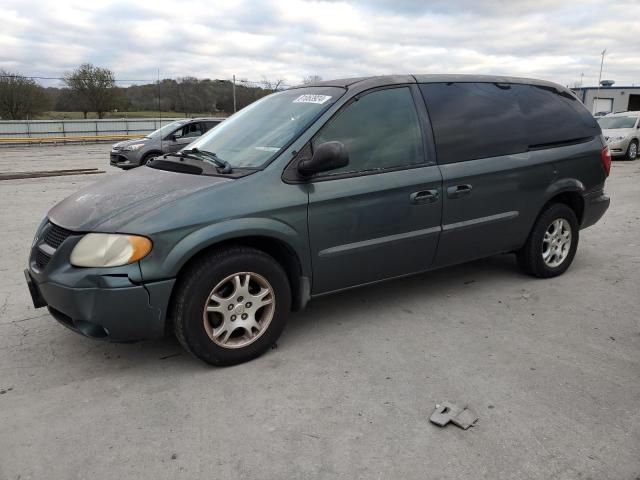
x: 556, y: 243
x: 239, y: 310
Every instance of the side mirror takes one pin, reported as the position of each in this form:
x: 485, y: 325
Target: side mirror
x: 327, y: 156
x: 172, y: 137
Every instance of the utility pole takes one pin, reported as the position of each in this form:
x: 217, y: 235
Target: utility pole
x: 595, y: 100
x: 159, y: 108
x: 234, y: 94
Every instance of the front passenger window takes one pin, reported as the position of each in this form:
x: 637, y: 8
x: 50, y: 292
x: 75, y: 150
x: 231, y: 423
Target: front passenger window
x: 191, y: 130
x: 380, y: 130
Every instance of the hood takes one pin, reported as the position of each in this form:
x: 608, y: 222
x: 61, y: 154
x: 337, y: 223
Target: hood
x: 617, y: 132
x: 108, y: 205
x: 126, y: 143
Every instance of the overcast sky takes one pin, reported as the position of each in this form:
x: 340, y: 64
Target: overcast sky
x: 282, y: 39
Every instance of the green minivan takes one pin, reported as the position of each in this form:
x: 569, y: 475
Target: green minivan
x: 319, y: 189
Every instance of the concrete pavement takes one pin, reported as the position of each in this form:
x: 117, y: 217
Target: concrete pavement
x: 552, y: 367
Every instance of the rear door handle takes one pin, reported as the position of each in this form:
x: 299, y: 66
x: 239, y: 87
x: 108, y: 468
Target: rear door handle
x: 424, y: 196
x: 458, y: 191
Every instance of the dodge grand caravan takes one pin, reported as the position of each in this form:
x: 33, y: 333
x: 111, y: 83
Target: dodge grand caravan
x: 315, y: 190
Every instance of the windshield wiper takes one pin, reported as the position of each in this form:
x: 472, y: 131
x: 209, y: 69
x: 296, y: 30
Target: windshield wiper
x: 223, y: 165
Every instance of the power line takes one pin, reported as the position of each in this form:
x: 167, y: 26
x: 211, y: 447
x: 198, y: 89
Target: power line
x: 263, y: 83
x: 35, y: 77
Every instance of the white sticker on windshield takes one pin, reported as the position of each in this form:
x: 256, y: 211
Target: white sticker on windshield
x: 319, y: 99
x: 267, y: 149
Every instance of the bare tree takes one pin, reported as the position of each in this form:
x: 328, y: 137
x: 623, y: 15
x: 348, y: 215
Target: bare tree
x: 311, y: 79
x: 93, y: 88
x: 20, y: 97
x: 272, y: 84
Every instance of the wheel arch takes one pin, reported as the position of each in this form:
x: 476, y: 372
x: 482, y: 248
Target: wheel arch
x: 281, y: 252
x: 568, y: 191
x: 153, y: 151
x: 279, y: 241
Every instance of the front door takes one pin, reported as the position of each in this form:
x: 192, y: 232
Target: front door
x: 183, y: 136
x: 378, y: 217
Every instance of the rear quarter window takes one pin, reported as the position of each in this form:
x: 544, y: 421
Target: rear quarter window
x: 553, y: 117
x: 474, y: 120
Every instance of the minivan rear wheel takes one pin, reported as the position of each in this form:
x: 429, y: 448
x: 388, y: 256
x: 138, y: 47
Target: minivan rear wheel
x: 552, y: 243
x: 231, y: 305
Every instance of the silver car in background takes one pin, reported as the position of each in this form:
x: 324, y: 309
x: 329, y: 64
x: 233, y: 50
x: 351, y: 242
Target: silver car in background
x: 170, y: 138
x: 622, y: 133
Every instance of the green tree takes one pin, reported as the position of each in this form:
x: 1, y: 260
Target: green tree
x: 21, y: 97
x: 93, y: 89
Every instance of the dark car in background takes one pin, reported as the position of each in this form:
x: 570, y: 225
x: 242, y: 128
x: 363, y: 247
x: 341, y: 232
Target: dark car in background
x: 319, y: 189
x: 167, y: 139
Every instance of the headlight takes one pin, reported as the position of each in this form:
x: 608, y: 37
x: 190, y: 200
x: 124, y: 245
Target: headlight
x: 615, y: 139
x: 109, y: 250
x: 133, y: 148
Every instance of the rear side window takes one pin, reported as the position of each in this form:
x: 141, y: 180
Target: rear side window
x: 553, y: 117
x: 209, y: 125
x: 474, y: 120
x: 380, y: 130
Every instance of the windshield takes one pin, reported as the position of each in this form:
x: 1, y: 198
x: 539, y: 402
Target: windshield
x: 616, y: 122
x: 259, y: 131
x: 166, y: 130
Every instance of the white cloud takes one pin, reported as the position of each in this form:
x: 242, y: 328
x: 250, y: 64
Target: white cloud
x: 293, y: 38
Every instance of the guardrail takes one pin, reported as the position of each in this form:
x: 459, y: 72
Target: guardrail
x: 93, y: 138
x: 62, y: 131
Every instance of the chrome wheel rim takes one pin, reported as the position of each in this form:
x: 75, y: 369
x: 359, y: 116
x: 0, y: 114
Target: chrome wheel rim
x: 239, y: 310
x: 633, y: 151
x: 556, y: 243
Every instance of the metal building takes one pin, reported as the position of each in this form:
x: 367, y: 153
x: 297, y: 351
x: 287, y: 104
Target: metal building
x: 609, y: 98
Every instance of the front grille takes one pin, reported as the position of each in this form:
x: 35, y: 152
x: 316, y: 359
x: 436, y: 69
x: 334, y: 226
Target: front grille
x: 56, y: 235
x: 42, y: 259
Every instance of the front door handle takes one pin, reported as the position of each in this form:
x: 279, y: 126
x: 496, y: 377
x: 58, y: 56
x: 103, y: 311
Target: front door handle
x: 424, y: 196
x: 458, y: 191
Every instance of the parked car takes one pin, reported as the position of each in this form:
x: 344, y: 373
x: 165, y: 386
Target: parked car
x: 622, y: 133
x: 169, y: 138
x: 315, y: 190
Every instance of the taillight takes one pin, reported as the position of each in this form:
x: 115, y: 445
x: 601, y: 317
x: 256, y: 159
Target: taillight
x: 605, y: 158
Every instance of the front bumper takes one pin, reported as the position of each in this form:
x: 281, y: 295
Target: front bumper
x: 595, y: 205
x: 113, y: 303
x: 618, y: 148
x: 124, y: 158
x: 125, y: 313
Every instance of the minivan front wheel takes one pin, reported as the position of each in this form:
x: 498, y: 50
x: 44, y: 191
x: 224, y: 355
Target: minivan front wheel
x: 552, y: 243
x: 231, y: 306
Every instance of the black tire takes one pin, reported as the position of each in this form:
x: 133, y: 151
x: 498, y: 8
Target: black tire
x: 146, y: 158
x: 530, y: 256
x: 630, y: 150
x: 192, y: 295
